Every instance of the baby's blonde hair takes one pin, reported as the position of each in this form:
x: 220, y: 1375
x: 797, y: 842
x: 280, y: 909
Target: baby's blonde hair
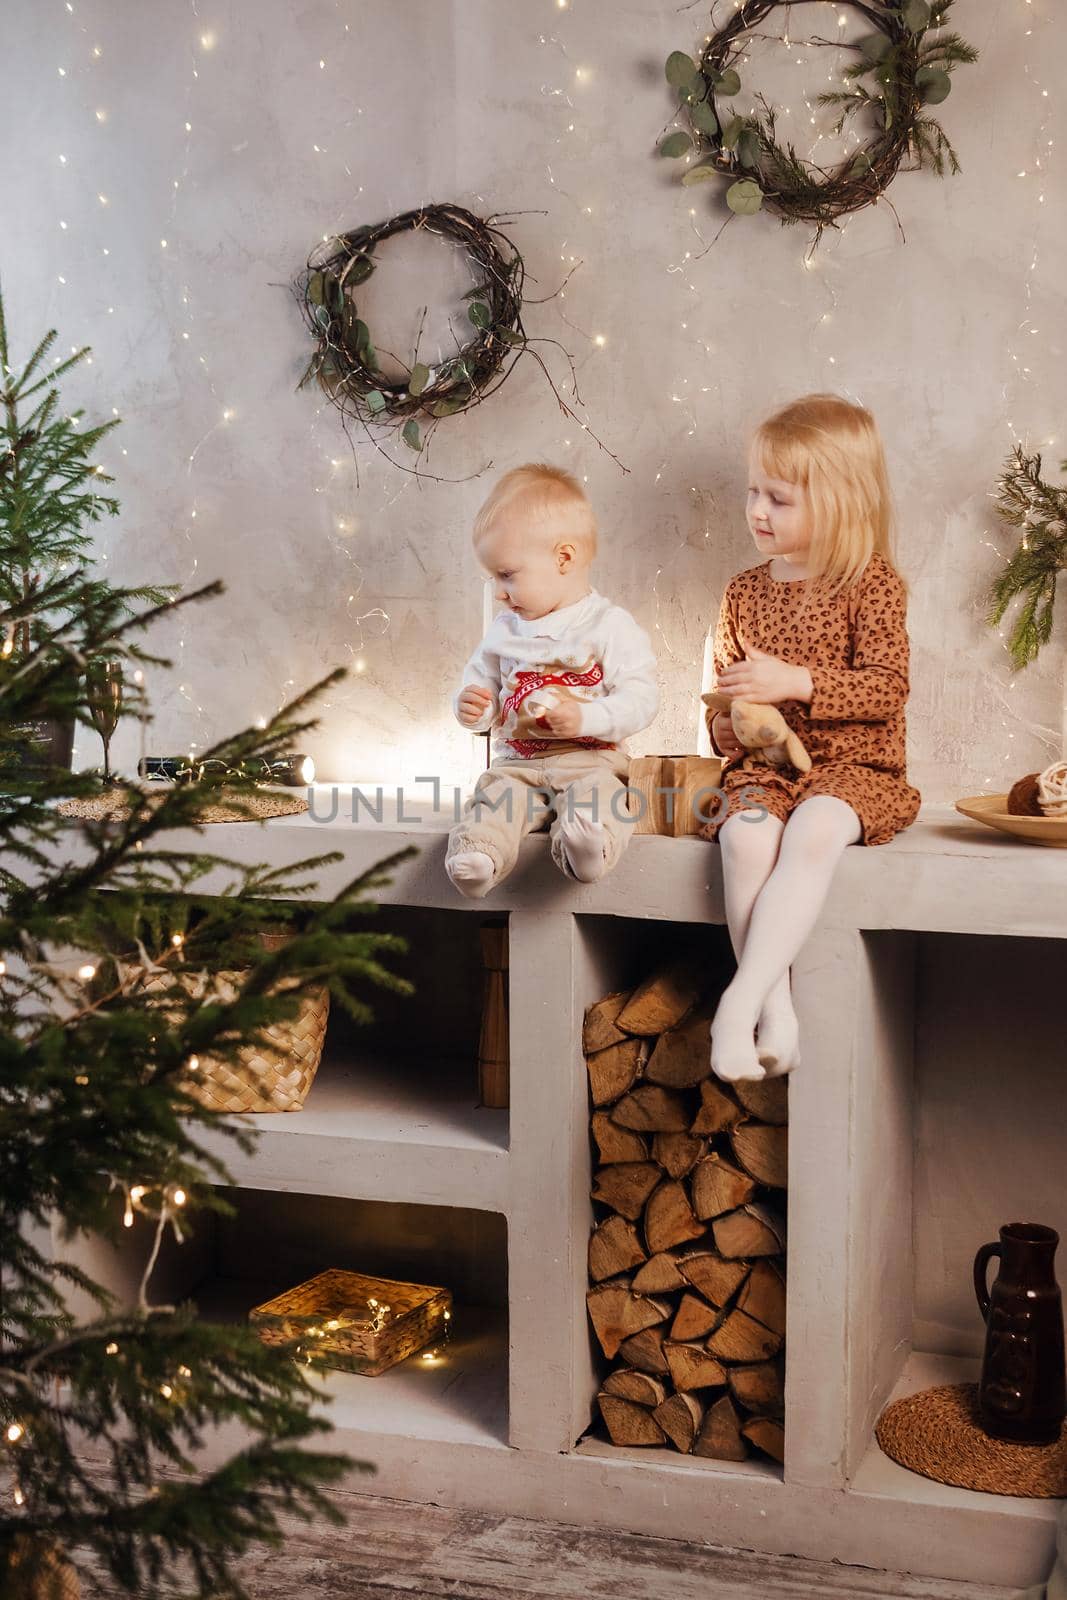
x: 551, y: 495
x: 833, y: 450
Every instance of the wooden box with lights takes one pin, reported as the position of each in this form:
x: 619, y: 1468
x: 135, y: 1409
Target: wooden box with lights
x: 674, y: 796
x: 354, y: 1323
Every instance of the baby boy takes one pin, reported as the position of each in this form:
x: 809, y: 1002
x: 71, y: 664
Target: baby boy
x: 561, y: 678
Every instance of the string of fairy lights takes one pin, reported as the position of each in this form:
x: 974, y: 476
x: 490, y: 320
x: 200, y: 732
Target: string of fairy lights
x: 84, y: 64
x: 1018, y: 383
x: 87, y: 57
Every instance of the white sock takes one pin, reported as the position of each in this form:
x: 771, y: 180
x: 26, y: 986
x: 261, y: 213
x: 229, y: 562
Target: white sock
x: 733, y: 1047
x: 472, y: 871
x: 583, y: 844
x: 784, y: 914
x: 778, y: 1032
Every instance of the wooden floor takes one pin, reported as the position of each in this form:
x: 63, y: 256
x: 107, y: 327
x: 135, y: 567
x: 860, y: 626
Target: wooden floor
x: 391, y: 1550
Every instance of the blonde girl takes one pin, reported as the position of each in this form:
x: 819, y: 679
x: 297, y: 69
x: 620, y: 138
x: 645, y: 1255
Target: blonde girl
x: 817, y: 628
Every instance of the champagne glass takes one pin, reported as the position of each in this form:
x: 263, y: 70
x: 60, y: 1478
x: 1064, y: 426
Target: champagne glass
x: 103, y: 686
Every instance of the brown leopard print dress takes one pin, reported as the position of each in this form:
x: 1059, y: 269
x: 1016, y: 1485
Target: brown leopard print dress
x: 855, y: 646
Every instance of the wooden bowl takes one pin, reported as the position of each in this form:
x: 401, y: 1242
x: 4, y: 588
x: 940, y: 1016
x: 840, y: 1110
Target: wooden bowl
x: 992, y: 809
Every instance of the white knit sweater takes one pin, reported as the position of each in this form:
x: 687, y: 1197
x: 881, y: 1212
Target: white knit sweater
x: 591, y: 651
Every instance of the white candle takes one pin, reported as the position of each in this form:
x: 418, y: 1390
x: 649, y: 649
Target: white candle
x: 707, y: 681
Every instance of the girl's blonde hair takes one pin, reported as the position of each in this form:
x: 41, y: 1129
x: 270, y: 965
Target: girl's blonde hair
x: 833, y: 450
x: 550, y: 495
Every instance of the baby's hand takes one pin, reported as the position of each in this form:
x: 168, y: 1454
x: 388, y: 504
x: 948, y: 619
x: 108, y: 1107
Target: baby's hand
x: 472, y: 705
x: 724, y: 737
x: 565, y: 720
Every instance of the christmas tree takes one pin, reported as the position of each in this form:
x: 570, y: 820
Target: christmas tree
x: 51, y: 493
x: 112, y: 937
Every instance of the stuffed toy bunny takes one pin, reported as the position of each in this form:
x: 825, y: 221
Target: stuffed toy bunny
x: 762, y: 730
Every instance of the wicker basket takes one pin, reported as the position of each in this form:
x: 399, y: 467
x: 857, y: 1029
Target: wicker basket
x: 37, y: 1570
x: 354, y: 1323
x: 259, y: 1079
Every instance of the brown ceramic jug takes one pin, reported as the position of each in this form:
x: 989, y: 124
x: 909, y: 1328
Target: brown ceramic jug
x: 1021, y: 1394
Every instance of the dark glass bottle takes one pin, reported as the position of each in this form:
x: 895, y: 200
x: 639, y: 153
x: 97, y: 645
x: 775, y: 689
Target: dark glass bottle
x: 1021, y: 1394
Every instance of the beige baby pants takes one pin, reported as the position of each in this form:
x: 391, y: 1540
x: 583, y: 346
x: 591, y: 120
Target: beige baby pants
x: 514, y: 798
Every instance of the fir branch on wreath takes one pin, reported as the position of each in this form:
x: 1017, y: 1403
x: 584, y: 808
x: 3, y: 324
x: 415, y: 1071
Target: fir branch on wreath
x: 908, y: 61
x: 345, y: 362
x: 1039, y: 509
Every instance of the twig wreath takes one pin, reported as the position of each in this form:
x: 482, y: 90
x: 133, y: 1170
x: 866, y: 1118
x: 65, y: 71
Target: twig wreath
x: 1039, y: 509
x: 345, y: 362
x: 908, y: 71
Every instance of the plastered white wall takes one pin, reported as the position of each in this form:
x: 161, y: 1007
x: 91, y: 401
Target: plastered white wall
x: 241, y: 132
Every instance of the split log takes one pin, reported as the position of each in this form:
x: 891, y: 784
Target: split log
x: 614, y: 1070
x: 650, y: 1109
x: 711, y: 1276
x: 614, y: 1248
x: 763, y: 1296
x: 718, y: 1109
x: 720, y: 1435
x: 694, y: 1319
x: 626, y: 1186
x: 599, y: 1029
x: 644, y: 1350
x: 691, y: 1367
x: 616, y: 1313
x: 659, y: 1275
x: 718, y: 1186
x: 629, y: 1424
x: 680, y: 1418
x: 763, y: 1150
x: 767, y: 1434
x: 662, y: 1000
x: 669, y: 1218
x: 742, y: 1339
x: 759, y: 1388
x: 681, y: 1058
x: 677, y: 1153
x: 754, y: 1230
x: 629, y: 1384
x: 615, y: 1143
x: 765, y: 1098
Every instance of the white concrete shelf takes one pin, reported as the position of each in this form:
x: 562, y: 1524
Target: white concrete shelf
x: 760, y: 1467
x: 375, y: 1128
x: 879, y: 1474
x: 932, y: 978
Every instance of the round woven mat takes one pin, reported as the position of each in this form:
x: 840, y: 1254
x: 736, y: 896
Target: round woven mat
x: 936, y: 1433
x: 113, y: 805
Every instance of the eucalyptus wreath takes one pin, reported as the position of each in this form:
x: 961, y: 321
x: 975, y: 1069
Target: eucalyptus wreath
x: 345, y: 361
x: 903, y: 67
x: 1039, y: 509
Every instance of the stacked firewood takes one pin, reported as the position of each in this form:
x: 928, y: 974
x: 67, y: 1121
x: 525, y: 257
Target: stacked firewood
x: 687, y: 1260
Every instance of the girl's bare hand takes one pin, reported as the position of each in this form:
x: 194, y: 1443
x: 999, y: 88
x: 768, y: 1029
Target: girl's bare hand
x: 765, y: 679
x: 723, y: 735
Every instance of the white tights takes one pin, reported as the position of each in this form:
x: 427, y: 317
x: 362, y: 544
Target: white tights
x: 776, y: 877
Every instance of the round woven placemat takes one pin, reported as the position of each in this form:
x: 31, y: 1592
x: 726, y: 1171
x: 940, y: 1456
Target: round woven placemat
x: 114, y: 805
x: 936, y: 1433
